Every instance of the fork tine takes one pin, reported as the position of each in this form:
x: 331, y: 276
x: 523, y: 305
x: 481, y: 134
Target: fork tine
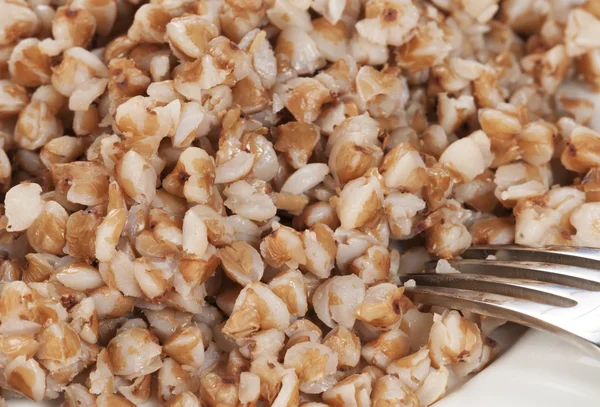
x: 532, y: 314
x: 494, y: 305
x: 573, y: 256
x: 551, y: 294
x: 572, y: 276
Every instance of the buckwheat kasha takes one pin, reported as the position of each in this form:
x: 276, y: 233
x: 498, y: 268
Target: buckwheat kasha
x: 210, y: 203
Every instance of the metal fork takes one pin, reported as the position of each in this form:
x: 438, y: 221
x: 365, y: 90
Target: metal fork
x: 553, y: 288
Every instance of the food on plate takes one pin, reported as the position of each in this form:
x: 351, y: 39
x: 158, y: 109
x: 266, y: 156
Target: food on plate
x: 211, y: 202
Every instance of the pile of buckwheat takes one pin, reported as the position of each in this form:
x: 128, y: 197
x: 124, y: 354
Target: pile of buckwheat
x: 211, y: 202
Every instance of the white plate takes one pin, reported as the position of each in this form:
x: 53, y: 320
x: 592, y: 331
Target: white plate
x: 540, y: 369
